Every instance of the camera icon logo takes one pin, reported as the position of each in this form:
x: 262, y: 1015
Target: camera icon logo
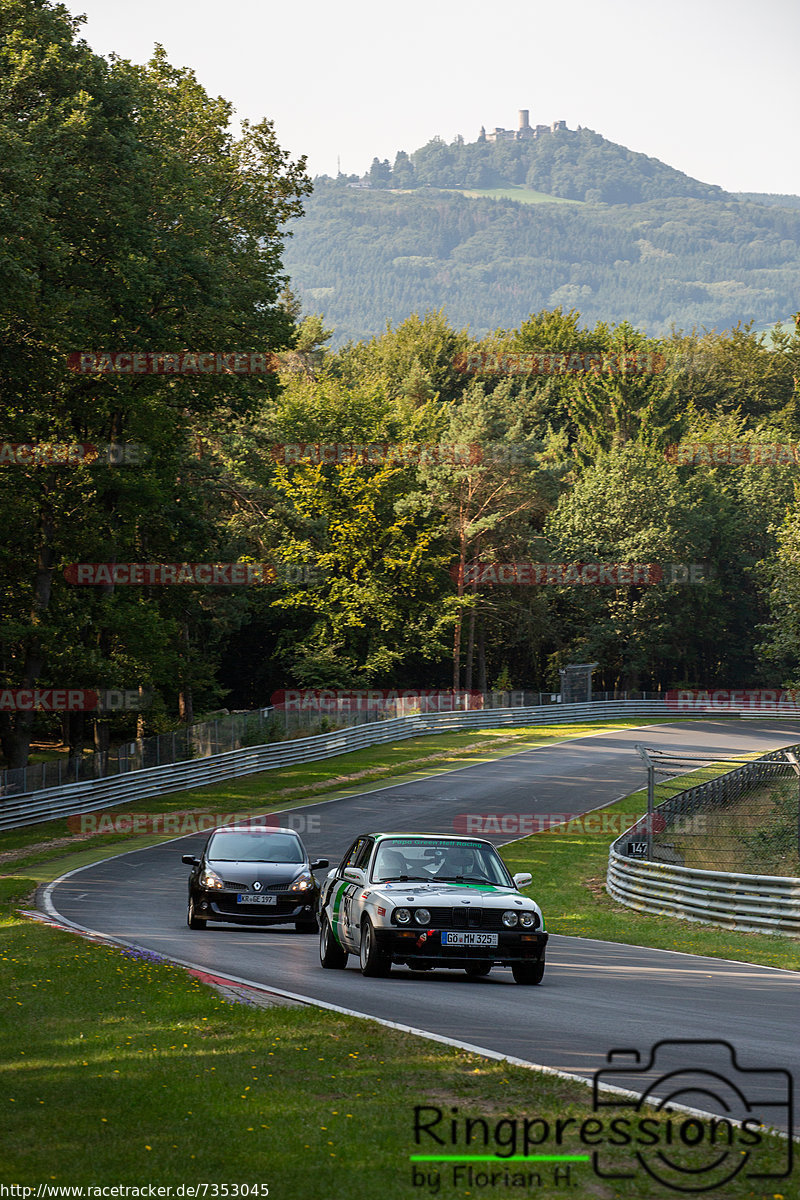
x: 691, y: 1081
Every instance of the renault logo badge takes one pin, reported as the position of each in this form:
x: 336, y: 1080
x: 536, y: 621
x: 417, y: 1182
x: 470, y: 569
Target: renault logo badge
x: 256, y: 887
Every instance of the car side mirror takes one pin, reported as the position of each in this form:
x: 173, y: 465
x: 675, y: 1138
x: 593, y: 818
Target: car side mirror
x: 522, y: 879
x: 355, y: 875
x: 190, y: 860
x: 319, y: 864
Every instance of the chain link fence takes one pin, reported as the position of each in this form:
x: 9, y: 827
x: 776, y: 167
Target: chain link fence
x: 721, y: 815
x: 227, y: 731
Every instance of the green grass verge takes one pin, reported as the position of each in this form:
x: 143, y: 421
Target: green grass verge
x: 117, y: 1070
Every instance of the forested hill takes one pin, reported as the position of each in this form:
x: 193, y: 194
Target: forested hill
x: 573, y: 164
x: 362, y: 257
x: 494, y: 230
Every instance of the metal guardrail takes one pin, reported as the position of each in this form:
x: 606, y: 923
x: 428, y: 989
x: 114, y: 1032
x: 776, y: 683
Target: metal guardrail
x: 73, y: 798
x: 756, y: 903
x: 734, y: 900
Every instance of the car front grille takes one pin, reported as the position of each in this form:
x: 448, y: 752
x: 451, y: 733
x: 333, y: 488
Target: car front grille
x: 466, y: 917
x: 280, y: 891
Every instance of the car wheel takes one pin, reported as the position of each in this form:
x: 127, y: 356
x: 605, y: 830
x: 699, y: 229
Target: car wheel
x: 308, y: 925
x: 477, y: 970
x: 528, y: 972
x: 331, y: 955
x: 372, y: 961
x: 193, y: 921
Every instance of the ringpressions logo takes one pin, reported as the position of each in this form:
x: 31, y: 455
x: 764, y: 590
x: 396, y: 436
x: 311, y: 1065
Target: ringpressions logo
x: 685, y: 1149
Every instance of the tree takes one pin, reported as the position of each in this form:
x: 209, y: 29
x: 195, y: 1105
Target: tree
x: 144, y: 225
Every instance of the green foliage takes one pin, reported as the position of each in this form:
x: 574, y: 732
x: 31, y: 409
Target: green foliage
x: 140, y: 223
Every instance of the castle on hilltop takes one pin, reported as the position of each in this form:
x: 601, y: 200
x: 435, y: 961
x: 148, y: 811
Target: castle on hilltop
x: 525, y: 132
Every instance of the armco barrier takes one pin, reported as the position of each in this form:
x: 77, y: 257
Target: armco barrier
x: 72, y: 798
x: 755, y: 903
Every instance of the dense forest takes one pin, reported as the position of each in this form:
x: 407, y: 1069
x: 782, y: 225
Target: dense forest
x: 363, y: 256
x: 371, y: 475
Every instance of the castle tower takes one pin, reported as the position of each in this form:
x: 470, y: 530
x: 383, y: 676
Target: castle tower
x: 523, y: 119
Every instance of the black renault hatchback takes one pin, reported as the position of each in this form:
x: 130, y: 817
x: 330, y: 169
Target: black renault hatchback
x: 253, y: 876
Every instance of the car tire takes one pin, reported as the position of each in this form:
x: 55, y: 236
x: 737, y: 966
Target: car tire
x: 477, y: 970
x: 331, y: 954
x: 308, y: 925
x: 371, y: 960
x: 528, y: 972
x: 194, y: 922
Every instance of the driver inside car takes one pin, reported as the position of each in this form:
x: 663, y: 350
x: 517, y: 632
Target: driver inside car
x: 456, y: 863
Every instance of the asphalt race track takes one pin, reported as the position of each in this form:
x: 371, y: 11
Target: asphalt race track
x: 596, y: 997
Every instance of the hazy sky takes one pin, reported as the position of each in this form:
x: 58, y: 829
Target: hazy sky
x: 711, y: 88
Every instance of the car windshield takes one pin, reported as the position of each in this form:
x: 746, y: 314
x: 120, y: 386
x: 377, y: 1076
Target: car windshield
x: 255, y: 847
x: 444, y: 860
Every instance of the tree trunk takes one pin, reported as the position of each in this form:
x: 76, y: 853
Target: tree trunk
x: 481, y: 659
x: 185, y: 698
x: 17, y: 735
x: 75, y: 735
x: 470, y: 652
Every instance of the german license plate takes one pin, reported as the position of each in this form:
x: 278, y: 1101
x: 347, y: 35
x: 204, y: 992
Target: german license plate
x: 255, y: 898
x: 469, y: 939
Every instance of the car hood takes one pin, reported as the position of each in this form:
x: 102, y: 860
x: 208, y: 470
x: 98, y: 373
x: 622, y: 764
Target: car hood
x: 483, y: 895
x: 249, y: 873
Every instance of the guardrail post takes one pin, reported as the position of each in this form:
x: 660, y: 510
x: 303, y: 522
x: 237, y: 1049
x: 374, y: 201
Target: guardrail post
x: 651, y: 791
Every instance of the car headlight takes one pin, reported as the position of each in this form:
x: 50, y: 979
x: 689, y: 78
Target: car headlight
x: 402, y: 916
x: 509, y: 919
x: 210, y: 879
x: 422, y: 916
x: 528, y: 920
x: 303, y: 882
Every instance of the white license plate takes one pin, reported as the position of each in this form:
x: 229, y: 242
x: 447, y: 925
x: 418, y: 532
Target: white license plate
x: 469, y: 939
x: 255, y: 898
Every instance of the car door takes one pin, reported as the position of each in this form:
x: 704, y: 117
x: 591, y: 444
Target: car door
x: 354, y: 899
x: 342, y: 894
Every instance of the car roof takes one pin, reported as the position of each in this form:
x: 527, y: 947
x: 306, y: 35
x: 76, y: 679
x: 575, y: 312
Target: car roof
x: 434, y: 837
x: 250, y: 828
